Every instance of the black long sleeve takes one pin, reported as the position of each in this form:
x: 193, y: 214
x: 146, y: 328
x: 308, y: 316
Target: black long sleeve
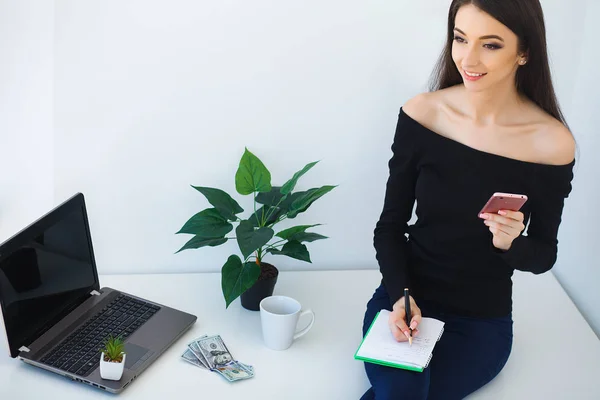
x: 537, y: 250
x: 389, y: 240
x: 447, y: 256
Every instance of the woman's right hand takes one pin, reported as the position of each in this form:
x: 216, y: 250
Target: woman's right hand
x: 397, y: 320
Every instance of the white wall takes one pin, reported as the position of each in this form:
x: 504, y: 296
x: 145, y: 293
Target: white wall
x: 578, y: 268
x: 26, y: 112
x: 152, y: 96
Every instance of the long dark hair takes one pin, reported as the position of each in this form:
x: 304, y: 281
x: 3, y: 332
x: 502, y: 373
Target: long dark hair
x: 526, y: 19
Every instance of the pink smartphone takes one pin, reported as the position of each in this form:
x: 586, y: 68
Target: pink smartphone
x: 504, y: 201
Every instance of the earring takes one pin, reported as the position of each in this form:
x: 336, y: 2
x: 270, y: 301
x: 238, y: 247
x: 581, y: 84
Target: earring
x: 522, y: 61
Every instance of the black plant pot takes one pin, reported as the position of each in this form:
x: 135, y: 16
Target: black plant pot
x: 263, y: 287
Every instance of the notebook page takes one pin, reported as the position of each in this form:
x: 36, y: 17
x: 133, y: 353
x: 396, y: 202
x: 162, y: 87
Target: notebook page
x: 381, y: 345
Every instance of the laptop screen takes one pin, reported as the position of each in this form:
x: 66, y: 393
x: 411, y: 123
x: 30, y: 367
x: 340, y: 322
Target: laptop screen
x: 46, y: 270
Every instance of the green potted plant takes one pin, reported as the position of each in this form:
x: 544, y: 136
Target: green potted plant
x: 251, y: 278
x: 112, y: 359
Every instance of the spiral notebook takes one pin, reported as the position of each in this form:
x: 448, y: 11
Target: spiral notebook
x: 380, y: 347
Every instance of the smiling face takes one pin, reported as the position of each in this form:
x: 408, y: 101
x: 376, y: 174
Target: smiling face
x: 485, y: 48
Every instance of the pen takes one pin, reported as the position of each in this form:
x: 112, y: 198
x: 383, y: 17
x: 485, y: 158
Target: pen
x: 408, y: 313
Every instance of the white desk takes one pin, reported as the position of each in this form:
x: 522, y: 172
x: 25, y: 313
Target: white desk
x: 555, y: 355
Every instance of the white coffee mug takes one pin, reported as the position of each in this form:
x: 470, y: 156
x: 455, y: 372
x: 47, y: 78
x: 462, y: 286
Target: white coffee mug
x: 279, y: 317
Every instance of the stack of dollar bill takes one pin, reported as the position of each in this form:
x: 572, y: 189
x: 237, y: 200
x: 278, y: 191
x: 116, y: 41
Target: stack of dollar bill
x: 210, y: 353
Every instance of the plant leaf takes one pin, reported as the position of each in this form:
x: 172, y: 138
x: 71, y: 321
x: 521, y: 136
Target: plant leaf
x: 257, y: 217
x: 273, y: 197
x: 222, y: 201
x: 236, y: 278
x: 308, y: 237
x: 304, y: 201
x: 291, y: 184
x: 250, y: 239
x: 208, y: 224
x: 270, y: 198
x: 293, y: 249
x: 196, y: 242
x: 252, y: 175
x: 289, y: 233
x: 113, y: 347
x: 298, y: 233
x: 286, y: 204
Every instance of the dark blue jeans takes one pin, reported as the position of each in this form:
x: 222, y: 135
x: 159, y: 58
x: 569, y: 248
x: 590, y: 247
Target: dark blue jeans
x: 471, y: 352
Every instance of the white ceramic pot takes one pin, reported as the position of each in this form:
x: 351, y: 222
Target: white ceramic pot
x: 111, y: 370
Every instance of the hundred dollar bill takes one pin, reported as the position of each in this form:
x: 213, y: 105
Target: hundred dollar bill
x: 193, y: 346
x: 233, y: 372
x: 214, y: 351
x: 189, y: 356
x: 248, y: 368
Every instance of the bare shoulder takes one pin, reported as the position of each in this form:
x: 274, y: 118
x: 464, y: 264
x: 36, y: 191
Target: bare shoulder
x: 428, y: 108
x: 423, y: 107
x: 556, y: 144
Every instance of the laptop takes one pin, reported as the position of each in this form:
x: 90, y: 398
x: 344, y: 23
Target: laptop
x: 57, y: 317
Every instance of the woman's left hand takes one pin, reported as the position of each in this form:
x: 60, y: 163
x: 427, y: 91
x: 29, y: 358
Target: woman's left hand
x: 506, y: 226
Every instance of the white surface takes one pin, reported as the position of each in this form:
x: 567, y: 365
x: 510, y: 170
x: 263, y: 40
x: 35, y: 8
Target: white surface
x: 555, y: 354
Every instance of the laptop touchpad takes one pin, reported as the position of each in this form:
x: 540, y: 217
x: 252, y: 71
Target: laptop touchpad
x: 136, y: 355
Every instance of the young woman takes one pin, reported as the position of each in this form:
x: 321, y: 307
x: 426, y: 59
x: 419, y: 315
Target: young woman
x: 490, y: 123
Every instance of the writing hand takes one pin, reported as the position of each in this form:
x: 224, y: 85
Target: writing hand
x: 397, y: 320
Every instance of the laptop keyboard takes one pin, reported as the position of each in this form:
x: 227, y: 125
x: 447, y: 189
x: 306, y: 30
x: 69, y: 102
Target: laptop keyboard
x: 80, y: 352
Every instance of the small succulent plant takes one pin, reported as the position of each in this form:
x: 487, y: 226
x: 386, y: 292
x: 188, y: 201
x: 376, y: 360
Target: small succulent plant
x: 113, y: 349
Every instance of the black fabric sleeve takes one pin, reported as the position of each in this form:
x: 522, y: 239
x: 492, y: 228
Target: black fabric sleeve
x: 389, y: 240
x: 537, y: 251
